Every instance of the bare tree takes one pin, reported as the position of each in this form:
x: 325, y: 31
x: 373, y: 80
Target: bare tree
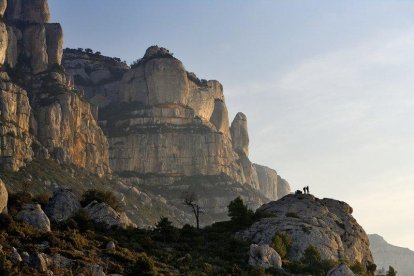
x: 191, y: 200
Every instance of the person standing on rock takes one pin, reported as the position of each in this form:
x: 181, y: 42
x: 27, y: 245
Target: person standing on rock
x: 307, y: 189
x: 304, y: 190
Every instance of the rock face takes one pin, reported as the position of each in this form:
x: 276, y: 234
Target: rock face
x: 34, y: 11
x: 56, y: 120
x: 62, y: 206
x: 270, y: 183
x: 341, y: 270
x: 264, y: 256
x: 239, y: 134
x: 15, y: 113
x: 33, y: 215
x: 103, y: 213
x: 4, y: 196
x: 326, y: 224
x: 385, y: 255
x: 164, y: 122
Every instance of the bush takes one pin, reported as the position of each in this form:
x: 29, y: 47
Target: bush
x: 144, y: 266
x: 281, y: 242
x: 17, y: 200
x: 100, y: 196
x: 391, y: 271
x: 165, y: 230
x: 239, y: 213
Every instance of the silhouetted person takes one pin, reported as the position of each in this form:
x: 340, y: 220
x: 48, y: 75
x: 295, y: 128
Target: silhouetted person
x: 307, y: 189
x: 304, y: 190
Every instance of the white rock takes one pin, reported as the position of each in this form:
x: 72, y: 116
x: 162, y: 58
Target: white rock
x: 264, y: 256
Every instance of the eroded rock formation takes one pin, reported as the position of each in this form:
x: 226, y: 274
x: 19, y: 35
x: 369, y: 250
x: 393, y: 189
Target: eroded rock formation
x: 39, y: 107
x: 326, y: 224
x: 4, y: 196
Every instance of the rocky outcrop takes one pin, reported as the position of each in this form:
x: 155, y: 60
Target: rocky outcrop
x: 15, y: 112
x: 4, y: 196
x: 270, y: 183
x: 35, y: 47
x: 63, y: 205
x: 326, y: 224
x: 385, y: 255
x: 97, y: 76
x: 240, y: 135
x: 33, y: 215
x: 264, y: 256
x: 4, y: 41
x: 33, y: 11
x: 341, y: 270
x: 3, y: 6
x: 220, y: 117
x: 54, y: 39
x: 105, y: 214
x: 12, y: 51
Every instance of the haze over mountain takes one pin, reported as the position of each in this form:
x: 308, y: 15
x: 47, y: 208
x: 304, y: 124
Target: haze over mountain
x: 330, y: 82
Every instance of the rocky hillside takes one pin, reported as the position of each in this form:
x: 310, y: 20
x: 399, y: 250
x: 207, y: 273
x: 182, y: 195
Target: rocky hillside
x: 385, y: 255
x: 42, y: 115
x: 326, y: 224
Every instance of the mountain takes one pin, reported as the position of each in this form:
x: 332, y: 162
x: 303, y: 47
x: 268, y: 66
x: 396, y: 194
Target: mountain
x: 152, y: 128
x: 385, y: 255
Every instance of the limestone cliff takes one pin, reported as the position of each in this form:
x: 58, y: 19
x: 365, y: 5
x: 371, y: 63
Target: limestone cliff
x: 385, y: 255
x: 326, y: 224
x: 41, y: 113
x: 161, y: 119
x: 165, y: 125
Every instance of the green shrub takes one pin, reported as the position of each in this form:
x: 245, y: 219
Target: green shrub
x: 100, y: 196
x: 358, y: 268
x: 281, y: 242
x: 239, y: 213
x: 165, y: 230
x: 143, y: 266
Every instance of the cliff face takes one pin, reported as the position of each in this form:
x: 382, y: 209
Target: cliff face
x: 162, y: 120
x: 385, y: 255
x: 42, y: 114
x: 325, y: 223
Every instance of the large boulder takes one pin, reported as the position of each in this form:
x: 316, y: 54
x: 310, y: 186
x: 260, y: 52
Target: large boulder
x: 341, y: 270
x: 63, y: 205
x: 326, y: 224
x: 3, y: 197
x: 105, y: 214
x: 240, y: 134
x: 33, y: 215
x: 264, y: 256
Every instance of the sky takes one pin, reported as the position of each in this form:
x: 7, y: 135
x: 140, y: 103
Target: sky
x: 327, y: 86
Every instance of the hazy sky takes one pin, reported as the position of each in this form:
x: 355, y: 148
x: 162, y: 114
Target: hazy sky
x: 327, y: 86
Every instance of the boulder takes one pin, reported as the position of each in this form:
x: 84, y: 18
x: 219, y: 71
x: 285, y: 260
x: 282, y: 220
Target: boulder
x: 26, y: 257
x: 110, y: 245
x: 15, y: 256
x: 264, y: 256
x: 54, y: 39
x: 4, y: 39
x: 105, y: 214
x: 220, y: 117
x: 61, y: 262
x: 166, y: 81
x: 63, y: 205
x: 39, y: 261
x: 324, y: 223
x: 340, y: 270
x: 240, y: 134
x: 133, y: 87
x: 3, y: 197
x: 33, y: 215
